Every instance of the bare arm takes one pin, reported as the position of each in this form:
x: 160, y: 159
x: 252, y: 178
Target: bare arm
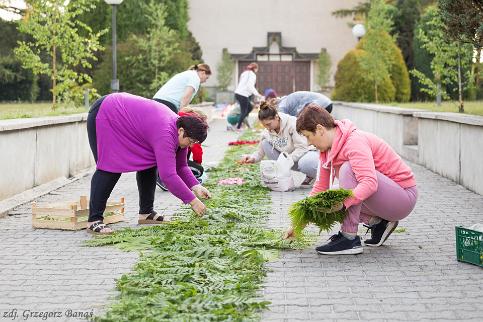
x: 188, y: 93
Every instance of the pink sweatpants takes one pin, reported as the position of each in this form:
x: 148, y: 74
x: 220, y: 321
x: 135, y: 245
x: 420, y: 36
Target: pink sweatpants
x: 390, y: 202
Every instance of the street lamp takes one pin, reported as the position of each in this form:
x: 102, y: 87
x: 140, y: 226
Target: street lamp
x: 358, y: 31
x: 115, y: 81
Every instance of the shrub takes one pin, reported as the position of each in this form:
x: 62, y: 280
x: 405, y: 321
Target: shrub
x: 351, y: 85
x: 398, y: 70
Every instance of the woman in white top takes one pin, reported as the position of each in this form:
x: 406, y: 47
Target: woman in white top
x: 178, y: 91
x: 245, y: 89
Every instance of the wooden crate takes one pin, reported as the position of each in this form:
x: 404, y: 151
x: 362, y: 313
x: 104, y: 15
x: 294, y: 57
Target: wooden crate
x: 67, y: 216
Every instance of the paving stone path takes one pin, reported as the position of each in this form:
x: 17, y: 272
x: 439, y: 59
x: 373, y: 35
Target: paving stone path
x: 414, y: 277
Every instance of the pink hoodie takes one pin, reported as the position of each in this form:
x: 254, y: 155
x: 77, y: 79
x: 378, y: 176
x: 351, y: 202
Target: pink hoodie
x: 366, y: 153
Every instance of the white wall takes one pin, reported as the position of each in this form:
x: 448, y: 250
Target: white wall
x: 449, y: 144
x: 239, y: 26
x: 37, y: 151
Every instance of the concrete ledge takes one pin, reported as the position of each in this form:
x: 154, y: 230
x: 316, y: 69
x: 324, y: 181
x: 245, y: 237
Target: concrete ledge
x: 380, y: 108
x: 19, y: 124
x: 446, y: 143
x: 411, y: 153
x: 451, y: 117
x: 7, y: 205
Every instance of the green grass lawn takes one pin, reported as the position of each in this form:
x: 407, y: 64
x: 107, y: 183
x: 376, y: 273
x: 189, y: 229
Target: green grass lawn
x: 27, y: 110
x: 471, y: 107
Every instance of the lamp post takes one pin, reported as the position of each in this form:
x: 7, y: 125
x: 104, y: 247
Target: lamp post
x: 358, y: 31
x: 114, y: 81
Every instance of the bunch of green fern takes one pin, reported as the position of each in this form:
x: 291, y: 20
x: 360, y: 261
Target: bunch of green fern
x: 323, y: 210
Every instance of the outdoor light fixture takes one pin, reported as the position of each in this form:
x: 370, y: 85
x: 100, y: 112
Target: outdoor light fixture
x: 115, y: 81
x: 359, y: 31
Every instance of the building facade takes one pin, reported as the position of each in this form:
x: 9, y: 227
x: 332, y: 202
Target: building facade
x: 285, y: 37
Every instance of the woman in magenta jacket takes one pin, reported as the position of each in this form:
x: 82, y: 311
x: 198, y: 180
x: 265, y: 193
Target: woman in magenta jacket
x: 383, y: 186
x: 129, y: 133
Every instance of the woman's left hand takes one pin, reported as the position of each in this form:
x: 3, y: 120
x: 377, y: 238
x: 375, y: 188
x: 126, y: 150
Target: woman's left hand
x: 201, y: 191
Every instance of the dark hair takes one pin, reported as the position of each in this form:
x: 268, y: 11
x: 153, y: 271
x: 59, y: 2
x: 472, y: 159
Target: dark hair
x: 311, y: 116
x: 194, y: 126
x: 268, y: 110
x: 252, y: 66
x: 201, y: 67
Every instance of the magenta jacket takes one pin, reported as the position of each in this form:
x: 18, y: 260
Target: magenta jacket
x: 136, y: 133
x: 366, y: 154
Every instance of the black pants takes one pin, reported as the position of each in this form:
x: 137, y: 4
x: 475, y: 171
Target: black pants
x: 171, y: 106
x: 245, y: 108
x: 103, y: 182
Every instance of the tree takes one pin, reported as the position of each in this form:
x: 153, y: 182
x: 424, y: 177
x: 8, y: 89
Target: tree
x: 376, y: 64
x: 406, y: 19
x: 463, y: 20
x: 225, y: 70
x: 54, y: 28
x: 447, y: 60
x: 148, y: 69
x: 324, y: 68
x: 133, y: 24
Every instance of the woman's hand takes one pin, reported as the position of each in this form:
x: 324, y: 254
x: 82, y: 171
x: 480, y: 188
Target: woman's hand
x: 201, y: 191
x: 336, y: 207
x: 247, y: 158
x: 289, y: 234
x: 198, y: 207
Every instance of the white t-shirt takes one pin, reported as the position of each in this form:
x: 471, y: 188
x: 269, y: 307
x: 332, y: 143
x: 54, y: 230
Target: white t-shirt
x: 173, y: 90
x: 246, y: 85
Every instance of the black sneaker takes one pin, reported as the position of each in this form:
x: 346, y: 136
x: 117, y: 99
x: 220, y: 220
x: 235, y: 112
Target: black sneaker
x: 340, y: 245
x: 380, y: 232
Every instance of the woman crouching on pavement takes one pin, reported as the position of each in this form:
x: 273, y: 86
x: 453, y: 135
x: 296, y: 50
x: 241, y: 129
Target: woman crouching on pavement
x: 383, y: 186
x: 279, y: 136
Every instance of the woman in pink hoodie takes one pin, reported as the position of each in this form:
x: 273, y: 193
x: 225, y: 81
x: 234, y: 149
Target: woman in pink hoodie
x: 383, y: 186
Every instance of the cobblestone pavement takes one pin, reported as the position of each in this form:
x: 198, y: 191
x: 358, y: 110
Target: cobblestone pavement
x: 413, y: 277
x: 52, y: 271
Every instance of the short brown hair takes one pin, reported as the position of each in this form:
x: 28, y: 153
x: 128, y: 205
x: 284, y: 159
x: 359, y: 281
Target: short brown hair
x: 252, y: 66
x: 194, y: 126
x: 311, y: 116
x: 268, y: 110
x: 201, y: 67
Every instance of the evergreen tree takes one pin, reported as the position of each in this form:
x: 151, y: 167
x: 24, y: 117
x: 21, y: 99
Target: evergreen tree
x: 408, y: 14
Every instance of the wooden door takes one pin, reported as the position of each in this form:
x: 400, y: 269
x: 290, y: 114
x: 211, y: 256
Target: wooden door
x: 283, y: 77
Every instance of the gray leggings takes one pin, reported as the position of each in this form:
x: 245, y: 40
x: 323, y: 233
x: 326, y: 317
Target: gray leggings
x: 307, y: 164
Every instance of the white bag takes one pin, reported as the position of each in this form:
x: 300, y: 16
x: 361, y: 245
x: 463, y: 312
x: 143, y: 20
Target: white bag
x: 278, y: 176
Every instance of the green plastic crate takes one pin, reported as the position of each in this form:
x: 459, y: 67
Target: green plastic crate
x: 469, y: 246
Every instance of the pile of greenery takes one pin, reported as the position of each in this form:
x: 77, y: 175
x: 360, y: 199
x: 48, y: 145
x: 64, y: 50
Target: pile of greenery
x: 319, y: 210
x: 202, y: 269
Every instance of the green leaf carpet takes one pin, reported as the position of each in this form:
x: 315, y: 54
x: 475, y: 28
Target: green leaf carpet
x: 203, y: 269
